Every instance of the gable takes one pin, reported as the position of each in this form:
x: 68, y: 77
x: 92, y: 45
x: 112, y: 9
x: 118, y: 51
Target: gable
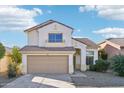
x: 77, y: 43
x: 118, y: 41
x: 103, y: 44
x: 55, y: 27
x: 46, y: 24
x: 90, y: 44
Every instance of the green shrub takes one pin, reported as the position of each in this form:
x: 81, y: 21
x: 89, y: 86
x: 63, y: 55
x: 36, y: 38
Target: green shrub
x: 11, y: 70
x: 92, y: 67
x: 118, y: 64
x: 2, y: 51
x: 100, y: 66
x: 102, y: 54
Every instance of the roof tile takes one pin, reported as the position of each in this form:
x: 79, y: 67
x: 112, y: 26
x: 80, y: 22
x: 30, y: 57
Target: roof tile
x: 88, y: 42
x: 36, y: 48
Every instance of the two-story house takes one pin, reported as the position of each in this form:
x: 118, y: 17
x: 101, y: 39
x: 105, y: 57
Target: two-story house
x: 51, y: 49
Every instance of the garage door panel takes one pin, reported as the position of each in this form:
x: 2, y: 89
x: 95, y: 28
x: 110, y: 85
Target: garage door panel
x: 47, y: 64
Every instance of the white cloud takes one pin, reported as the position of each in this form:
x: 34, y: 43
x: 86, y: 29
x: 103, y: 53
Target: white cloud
x: 86, y: 8
x: 38, y: 10
x: 78, y: 30
x: 13, y: 18
x: 111, y: 32
x: 6, y: 44
x: 82, y: 9
x: 49, y: 11
x: 115, y: 12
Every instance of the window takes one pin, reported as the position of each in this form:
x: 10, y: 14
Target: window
x: 55, y: 37
x: 89, y: 57
x: 89, y: 60
x: 90, y: 53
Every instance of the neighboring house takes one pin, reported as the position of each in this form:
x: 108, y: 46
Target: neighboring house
x: 5, y: 61
x: 51, y: 49
x: 113, y: 46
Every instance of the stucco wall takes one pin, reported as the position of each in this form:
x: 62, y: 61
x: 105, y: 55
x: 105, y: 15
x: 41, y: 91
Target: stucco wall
x: 78, y: 61
x: 111, y: 51
x: 122, y: 51
x: 4, y: 64
x: 82, y: 47
x: 54, y: 28
x: 32, y: 37
x: 102, y: 45
x: 40, y: 37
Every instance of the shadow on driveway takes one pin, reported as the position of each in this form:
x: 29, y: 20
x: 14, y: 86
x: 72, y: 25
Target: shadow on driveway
x: 42, y: 81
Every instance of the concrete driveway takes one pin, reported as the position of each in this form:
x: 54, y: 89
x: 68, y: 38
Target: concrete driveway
x: 42, y: 81
x: 79, y: 79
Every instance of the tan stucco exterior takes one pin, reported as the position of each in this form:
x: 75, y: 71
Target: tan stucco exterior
x: 78, y: 62
x: 4, y: 62
x: 32, y: 37
x: 122, y: 51
x: 39, y: 37
x: 111, y: 49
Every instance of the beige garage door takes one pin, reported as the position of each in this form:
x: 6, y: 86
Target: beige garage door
x: 47, y: 64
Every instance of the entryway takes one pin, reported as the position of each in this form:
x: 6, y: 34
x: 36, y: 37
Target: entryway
x: 77, y: 60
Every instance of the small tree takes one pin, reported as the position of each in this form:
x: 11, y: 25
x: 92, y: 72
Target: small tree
x: 2, y: 51
x: 14, y: 66
x: 102, y: 54
x: 16, y: 56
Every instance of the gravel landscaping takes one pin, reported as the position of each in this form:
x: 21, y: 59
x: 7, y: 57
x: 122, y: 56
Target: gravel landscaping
x: 96, y: 79
x: 4, y: 80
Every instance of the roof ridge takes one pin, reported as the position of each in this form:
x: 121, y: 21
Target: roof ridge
x: 87, y: 42
x: 80, y: 37
x: 46, y: 23
x: 115, y: 38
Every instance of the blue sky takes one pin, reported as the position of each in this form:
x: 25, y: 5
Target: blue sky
x: 94, y: 22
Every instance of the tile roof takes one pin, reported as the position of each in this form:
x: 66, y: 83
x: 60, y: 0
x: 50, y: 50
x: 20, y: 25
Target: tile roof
x: 36, y: 48
x: 119, y: 41
x: 88, y: 42
x: 44, y: 24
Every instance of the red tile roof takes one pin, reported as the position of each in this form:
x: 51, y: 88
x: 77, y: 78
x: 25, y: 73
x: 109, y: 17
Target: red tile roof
x: 119, y: 41
x: 88, y: 42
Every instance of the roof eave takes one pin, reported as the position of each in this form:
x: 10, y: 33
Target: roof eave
x: 38, y: 26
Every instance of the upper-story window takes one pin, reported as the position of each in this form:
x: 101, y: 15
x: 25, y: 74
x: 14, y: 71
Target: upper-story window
x: 55, y: 37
